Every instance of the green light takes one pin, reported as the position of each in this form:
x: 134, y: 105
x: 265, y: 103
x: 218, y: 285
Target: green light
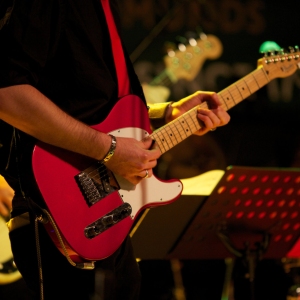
x: 269, y: 46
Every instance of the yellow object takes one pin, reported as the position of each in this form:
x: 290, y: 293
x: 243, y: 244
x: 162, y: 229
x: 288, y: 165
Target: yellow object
x: 6, y: 256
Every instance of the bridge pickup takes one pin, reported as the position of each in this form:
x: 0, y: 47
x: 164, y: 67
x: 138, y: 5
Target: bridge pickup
x: 96, y: 183
x: 107, y: 221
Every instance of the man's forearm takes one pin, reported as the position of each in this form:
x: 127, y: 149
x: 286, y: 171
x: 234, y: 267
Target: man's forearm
x: 25, y: 108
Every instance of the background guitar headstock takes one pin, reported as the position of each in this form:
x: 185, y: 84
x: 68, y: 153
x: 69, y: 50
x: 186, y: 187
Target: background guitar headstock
x: 187, y: 61
x: 280, y: 64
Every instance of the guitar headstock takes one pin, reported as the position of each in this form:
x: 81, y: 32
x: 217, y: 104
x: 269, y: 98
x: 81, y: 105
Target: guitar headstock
x: 187, y: 61
x: 279, y: 64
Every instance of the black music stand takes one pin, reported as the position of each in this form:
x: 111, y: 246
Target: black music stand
x: 252, y: 213
x: 250, y: 209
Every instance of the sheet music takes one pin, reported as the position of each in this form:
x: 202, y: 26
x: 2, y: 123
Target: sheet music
x: 202, y: 184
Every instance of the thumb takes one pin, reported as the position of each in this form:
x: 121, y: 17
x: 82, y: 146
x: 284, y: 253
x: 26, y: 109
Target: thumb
x: 148, y: 142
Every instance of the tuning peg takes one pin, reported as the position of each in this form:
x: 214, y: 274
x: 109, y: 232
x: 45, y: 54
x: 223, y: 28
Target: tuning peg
x: 271, y: 53
x: 264, y: 54
x: 203, y: 36
x: 170, y: 49
x: 297, y: 50
x: 293, y: 51
x: 267, y: 55
x: 181, y: 43
x: 279, y: 52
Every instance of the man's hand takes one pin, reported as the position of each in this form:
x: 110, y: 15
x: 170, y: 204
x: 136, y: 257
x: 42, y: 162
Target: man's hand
x: 6, y: 196
x: 132, y: 158
x: 209, y: 119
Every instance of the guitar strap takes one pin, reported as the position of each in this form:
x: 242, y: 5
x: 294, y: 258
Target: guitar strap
x: 119, y: 58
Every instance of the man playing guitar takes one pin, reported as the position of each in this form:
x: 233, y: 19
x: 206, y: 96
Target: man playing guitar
x: 59, y: 88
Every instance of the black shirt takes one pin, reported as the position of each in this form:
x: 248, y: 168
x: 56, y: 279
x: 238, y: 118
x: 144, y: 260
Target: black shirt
x: 62, y: 48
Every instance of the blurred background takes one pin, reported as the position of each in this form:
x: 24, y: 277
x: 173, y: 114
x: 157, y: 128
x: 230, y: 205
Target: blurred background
x: 263, y: 128
x: 262, y: 133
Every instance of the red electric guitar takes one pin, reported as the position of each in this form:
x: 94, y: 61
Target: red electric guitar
x: 94, y: 210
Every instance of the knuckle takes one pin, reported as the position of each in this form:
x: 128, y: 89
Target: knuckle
x: 141, y: 166
x: 145, y: 157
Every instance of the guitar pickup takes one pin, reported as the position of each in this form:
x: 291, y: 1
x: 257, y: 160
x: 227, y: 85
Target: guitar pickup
x: 108, y: 220
x: 96, y: 183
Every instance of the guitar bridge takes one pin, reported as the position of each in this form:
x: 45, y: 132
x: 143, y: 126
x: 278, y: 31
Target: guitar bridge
x: 96, y: 183
x: 107, y: 221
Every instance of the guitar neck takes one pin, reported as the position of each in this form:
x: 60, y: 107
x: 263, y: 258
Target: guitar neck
x: 165, y: 78
x: 243, y: 88
x: 178, y: 130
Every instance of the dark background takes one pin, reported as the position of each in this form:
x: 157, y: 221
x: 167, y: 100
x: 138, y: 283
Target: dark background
x: 263, y: 131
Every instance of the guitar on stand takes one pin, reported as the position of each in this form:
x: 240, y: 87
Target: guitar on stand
x: 183, y: 63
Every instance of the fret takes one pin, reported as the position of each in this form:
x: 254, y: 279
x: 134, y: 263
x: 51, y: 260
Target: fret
x: 243, y: 88
x: 226, y: 96
x: 252, y: 83
x: 176, y: 131
x: 166, y: 138
x: 261, y: 78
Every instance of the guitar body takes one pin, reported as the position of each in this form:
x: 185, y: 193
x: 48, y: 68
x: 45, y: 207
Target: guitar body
x: 56, y: 172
